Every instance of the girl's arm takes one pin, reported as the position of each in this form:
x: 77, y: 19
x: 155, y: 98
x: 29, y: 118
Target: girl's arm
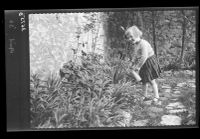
x: 144, y: 56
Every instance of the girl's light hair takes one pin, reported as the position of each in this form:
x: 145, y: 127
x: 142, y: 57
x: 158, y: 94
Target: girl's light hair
x: 134, y: 31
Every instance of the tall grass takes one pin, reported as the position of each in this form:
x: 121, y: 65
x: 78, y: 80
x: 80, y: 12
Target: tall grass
x: 90, y: 95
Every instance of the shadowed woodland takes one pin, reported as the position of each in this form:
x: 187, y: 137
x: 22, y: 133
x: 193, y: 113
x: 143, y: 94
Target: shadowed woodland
x: 81, y: 70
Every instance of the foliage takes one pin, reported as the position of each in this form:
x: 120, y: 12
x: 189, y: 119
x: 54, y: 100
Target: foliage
x: 84, y: 96
x: 56, y: 38
x: 94, y: 93
x: 168, y: 32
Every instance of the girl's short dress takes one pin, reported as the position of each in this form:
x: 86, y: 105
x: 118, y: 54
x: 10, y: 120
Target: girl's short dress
x: 150, y: 70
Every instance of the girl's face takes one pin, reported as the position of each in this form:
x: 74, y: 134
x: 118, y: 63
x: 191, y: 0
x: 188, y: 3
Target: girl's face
x: 130, y: 38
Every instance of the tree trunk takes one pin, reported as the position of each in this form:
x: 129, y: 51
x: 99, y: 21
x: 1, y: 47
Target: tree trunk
x: 154, y: 32
x: 183, y: 36
x: 106, y: 42
x: 94, y: 45
x: 140, y: 20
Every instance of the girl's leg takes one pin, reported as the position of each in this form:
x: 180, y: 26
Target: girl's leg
x: 145, y: 88
x: 155, y: 88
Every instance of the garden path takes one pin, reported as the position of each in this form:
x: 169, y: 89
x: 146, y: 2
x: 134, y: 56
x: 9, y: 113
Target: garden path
x: 177, y: 105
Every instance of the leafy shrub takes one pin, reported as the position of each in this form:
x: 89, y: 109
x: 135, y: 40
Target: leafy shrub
x: 87, y: 95
x: 189, y: 58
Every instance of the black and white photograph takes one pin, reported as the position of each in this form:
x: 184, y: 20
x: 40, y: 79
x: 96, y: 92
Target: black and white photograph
x: 113, y: 69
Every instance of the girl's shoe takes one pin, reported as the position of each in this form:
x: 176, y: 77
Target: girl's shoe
x: 157, y: 101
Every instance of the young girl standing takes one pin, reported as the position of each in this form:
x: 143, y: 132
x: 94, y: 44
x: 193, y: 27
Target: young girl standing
x: 148, y: 66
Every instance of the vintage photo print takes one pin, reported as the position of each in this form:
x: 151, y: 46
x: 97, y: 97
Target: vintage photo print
x: 113, y: 68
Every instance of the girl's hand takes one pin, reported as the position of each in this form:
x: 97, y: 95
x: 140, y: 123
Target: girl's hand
x: 135, y: 68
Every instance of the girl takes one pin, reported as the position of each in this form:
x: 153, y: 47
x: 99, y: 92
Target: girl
x: 148, y: 66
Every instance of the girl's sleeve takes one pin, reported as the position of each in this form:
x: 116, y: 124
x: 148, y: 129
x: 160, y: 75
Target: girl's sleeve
x: 144, y: 55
